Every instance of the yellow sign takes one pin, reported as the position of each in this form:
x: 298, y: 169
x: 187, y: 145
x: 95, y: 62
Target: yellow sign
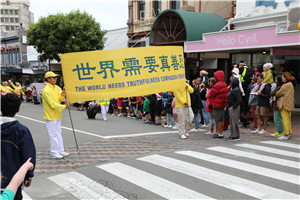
x: 122, y: 72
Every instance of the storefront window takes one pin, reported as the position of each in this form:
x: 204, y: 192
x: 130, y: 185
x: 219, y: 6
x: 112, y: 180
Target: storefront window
x: 245, y: 57
x: 259, y: 59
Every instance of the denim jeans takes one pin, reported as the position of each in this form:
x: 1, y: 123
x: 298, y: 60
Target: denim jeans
x: 170, y: 119
x: 196, y: 120
x: 204, y: 112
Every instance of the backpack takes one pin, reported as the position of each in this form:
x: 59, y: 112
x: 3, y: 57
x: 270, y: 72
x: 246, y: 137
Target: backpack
x: 249, y: 73
x: 92, y: 111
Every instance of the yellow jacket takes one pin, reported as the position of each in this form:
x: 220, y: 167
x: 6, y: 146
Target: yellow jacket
x: 7, y: 89
x: 268, y: 77
x: 104, y: 102
x: 183, y: 96
x: 51, y: 101
x: 18, y: 89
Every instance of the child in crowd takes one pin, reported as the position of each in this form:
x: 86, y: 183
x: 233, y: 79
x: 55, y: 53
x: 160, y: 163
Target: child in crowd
x: 11, y: 190
x: 158, y: 108
x: 256, y: 71
x: 147, y: 109
x: 268, y: 77
x: 169, y: 110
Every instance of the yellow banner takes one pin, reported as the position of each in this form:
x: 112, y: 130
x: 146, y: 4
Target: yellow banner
x: 122, y: 72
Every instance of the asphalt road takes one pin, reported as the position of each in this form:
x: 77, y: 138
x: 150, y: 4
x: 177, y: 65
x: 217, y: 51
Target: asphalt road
x: 124, y: 159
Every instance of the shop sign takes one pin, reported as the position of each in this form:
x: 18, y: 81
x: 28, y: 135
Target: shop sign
x: 286, y: 52
x: 3, y: 72
x: 241, y: 40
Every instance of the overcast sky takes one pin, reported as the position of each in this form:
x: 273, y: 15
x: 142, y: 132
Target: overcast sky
x: 111, y: 14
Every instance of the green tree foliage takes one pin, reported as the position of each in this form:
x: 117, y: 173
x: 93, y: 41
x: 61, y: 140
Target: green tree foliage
x: 65, y: 33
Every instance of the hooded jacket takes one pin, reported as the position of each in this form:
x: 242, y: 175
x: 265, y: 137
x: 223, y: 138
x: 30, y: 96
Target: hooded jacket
x: 16, y: 147
x: 234, y: 99
x: 196, y: 102
x: 236, y: 71
x: 220, y: 91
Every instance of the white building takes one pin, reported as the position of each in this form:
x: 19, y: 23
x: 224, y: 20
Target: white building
x: 14, y: 13
x: 116, y: 39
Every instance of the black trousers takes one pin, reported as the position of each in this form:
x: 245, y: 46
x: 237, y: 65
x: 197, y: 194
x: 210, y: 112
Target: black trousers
x: 152, y: 115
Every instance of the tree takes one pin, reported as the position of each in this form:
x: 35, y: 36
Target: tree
x: 65, y: 33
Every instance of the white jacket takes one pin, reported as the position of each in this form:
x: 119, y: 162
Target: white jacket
x: 236, y: 71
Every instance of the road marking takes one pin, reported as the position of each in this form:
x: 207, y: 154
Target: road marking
x: 278, y: 161
x: 155, y: 184
x: 237, y: 184
x: 104, y: 137
x: 270, y: 150
x: 26, y: 196
x: 295, y: 146
x: 83, y: 187
x: 282, y: 176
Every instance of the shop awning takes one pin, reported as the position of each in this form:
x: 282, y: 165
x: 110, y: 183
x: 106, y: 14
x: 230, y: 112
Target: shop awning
x: 177, y: 26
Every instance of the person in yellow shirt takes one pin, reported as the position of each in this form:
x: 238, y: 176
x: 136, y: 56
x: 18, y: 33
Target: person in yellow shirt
x: 183, y: 110
x: 52, y: 97
x: 18, y: 89
x: 104, y: 103
x: 6, y: 89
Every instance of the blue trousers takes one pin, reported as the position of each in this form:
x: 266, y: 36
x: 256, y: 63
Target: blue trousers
x: 204, y: 112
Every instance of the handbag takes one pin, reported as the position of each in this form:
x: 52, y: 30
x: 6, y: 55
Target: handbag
x: 210, y: 106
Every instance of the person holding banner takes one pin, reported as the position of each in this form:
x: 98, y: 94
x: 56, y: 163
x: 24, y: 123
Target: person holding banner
x: 104, y: 103
x: 183, y: 109
x: 52, y: 97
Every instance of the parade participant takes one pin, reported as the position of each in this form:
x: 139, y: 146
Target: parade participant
x: 104, y: 103
x: 183, y: 109
x: 52, y: 97
x: 18, y: 89
x: 234, y: 100
x: 219, y: 92
x: 262, y: 106
x: 286, y: 104
x: 6, y: 89
x: 17, y: 145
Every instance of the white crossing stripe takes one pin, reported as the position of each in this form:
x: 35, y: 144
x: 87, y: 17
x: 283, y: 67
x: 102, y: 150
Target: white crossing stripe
x: 270, y: 150
x: 26, y: 196
x: 241, y: 185
x: 278, y: 161
x: 295, y: 146
x: 282, y: 176
x: 82, y: 187
x: 155, y: 184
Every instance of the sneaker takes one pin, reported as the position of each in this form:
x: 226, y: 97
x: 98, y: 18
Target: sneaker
x: 175, y: 127
x: 262, y: 131
x: 276, y: 134
x: 170, y: 126
x: 193, y: 130
x: 187, y: 134
x: 251, y: 129
x: 166, y: 126
x: 132, y: 117
x: 238, y: 139
x: 128, y: 116
x: 208, y: 133
x: 183, y: 136
x: 119, y: 115
x: 105, y: 119
x: 284, y: 137
x: 218, y: 136
x: 230, y: 139
x: 255, y: 131
x: 146, y: 122
x: 64, y: 154
x: 57, y: 157
x: 205, y: 126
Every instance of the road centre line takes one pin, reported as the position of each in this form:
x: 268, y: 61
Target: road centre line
x: 104, y: 137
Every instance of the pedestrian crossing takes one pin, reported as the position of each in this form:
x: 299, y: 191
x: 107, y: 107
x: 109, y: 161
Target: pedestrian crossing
x: 240, y: 171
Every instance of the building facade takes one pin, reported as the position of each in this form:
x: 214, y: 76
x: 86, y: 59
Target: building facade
x: 267, y: 34
x: 14, y: 13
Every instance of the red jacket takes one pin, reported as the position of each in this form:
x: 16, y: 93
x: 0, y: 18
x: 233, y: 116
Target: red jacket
x: 220, y: 91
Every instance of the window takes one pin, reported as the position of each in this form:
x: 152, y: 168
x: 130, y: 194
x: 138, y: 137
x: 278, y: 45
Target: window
x: 175, y: 5
x: 266, y: 3
x: 7, y: 28
x: 16, y: 12
x: 12, y: 28
x: 11, y: 12
x: 2, y: 19
x: 142, y: 10
x: 6, y: 12
x: 1, y: 11
x: 17, y: 20
x: 157, y: 7
x: 6, y: 19
x: 12, y: 20
x: 17, y: 27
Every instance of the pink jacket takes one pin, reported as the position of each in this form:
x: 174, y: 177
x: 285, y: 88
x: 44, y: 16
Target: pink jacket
x: 173, y: 105
x: 208, y: 102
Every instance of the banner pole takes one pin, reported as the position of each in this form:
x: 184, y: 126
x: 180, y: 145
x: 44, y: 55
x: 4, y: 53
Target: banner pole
x: 73, y: 130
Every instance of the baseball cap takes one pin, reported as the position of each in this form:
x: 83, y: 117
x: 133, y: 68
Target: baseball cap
x: 50, y: 74
x: 254, y: 78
